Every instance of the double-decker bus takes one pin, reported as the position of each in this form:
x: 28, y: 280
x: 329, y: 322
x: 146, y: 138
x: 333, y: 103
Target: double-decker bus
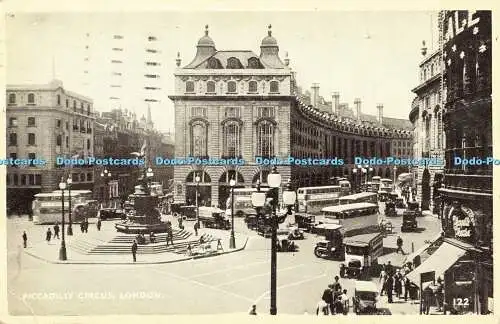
x: 312, y: 199
x: 242, y: 202
x: 368, y: 197
x: 355, y: 218
x: 47, y: 207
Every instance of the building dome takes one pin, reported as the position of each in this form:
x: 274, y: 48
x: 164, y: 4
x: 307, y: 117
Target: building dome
x: 206, y: 41
x: 269, y: 40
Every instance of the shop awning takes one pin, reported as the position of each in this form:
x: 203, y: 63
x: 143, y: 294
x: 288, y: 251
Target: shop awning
x: 440, y: 261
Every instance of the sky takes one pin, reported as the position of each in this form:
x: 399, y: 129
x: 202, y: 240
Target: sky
x: 373, y: 55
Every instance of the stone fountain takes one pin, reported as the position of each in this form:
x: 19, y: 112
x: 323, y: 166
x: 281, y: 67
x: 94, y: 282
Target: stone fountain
x: 146, y: 217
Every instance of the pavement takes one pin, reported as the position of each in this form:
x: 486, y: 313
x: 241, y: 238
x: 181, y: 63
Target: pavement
x: 227, y: 284
x: 49, y: 251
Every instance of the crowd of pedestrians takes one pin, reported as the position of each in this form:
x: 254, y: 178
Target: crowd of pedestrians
x: 334, y: 300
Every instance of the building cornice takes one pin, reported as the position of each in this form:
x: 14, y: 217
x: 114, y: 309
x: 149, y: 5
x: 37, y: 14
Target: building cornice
x: 427, y: 84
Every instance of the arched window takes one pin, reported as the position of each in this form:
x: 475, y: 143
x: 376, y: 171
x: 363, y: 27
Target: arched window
x: 88, y: 110
x: 58, y: 100
x: 12, y: 98
x: 211, y: 87
x: 253, y: 63
x: 31, y: 98
x: 67, y: 103
x: 88, y: 144
x: 234, y: 63
x: 190, y: 86
x: 74, y: 105
x: 199, y: 140
x: 214, y: 63
x: 231, y: 87
x: 261, y: 176
x: 274, y: 87
x: 252, y: 86
x: 231, y: 138
x: 265, y: 139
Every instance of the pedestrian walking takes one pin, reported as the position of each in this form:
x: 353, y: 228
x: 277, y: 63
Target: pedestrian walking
x: 253, y: 310
x: 189, y: 251
x: 439, y: 294
x: 86, y: 225
x: 322, y: 309
x: 339, y: 306
x: 25, y: 239
x: 398, y: 285
x: 328, y: 297
x: 99, y: 224
x: 179, y: 220
x: 407, y: 285
x: 399, y: 243
x: 345, y: 301
x: 82, y: 226
x: 428, y: 296
x: 390, y: 288
x: 196, y: 228
x: 56, y: 231
x: 48, y: 236
x: 389, y: 269
x: 134, y: 250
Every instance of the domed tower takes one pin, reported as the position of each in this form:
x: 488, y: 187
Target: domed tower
x: 205, y: 48
x: 269, y: 51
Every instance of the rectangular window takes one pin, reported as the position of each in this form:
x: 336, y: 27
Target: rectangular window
x: 13, y: 122
x: 265, y: 112
x: 23, y: 180
x: 67, y: 141
x: 38, y: 179
x: 232, y: 112
x: 31, y: 121
x: 58, y: 123
x: 31, y: 139
x: 32, y: 179
x: 89, y: 176
x: 31, y: 156
x: 13, y: 156
x: 199, y: 112
x: 12, y: 139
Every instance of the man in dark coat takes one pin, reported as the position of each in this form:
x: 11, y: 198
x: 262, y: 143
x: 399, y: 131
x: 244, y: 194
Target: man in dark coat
x: 428, y: 296
x: 99, y: 224
x: 328, y: 297
x: 134, y: 250
x: 389, y: 269
x: 25, y: 239
x: 407, y: 284
x: 390, y: 287
x: 48, y: 235
x: 399, y: 243
x: 56, y: 231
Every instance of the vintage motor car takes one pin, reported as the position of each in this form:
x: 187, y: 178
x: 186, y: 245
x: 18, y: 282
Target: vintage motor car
x: 365, y: 297
x: 413, y: 206
x: 283, y: 244
x: 390, y: 209
x: 331, y: 247
x: 409, y: 221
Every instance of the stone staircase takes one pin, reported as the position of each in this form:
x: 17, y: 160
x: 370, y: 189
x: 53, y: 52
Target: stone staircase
x: 122, y: 244
x: 160, y: 237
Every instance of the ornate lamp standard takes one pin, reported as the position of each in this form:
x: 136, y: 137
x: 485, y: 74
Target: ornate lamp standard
x: 355, y: 180
x: 197, y: 181
x: 149, y: 176
x: 370, y: 171
x: 232, y: 240
x: 259, y: 201
x: 62, y: 251
x: 394, y: 178
x: 106, y: 175
x: 70, y: 224
x: 365, y: 177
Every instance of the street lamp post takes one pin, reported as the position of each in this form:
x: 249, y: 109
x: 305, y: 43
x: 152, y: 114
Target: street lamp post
x: 62, y: 251
x: 394, y: 178
x: 355, y: 177
x: 197, y: 181
x: 370, y: 171
x: 106, y: 175
x: 258, y: 201
x: 232, y: 240
x: 70, y: 223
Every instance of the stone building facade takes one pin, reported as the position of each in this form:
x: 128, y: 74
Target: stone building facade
x: 45, y: 122
x: 240, y: 105
x: 427, y: 117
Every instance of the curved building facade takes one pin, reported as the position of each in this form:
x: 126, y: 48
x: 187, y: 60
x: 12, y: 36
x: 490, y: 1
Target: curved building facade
x: 240, y: 106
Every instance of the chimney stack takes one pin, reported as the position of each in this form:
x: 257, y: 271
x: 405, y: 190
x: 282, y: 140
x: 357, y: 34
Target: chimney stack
x: 357, y: 104
x: 315, y: 94
x: 335, y: 103
x: 380, y: 108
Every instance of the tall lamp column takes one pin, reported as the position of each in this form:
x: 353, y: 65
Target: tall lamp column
x: 355, y: 180
x: 70, y: 223
x: 232, y: 240
x: 106, y: 176
x: 62, y: 251
x: 197, y: 181
x: 394, y: 178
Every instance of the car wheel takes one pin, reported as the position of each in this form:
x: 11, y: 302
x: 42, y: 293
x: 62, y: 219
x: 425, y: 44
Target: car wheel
x: 317, y: 253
